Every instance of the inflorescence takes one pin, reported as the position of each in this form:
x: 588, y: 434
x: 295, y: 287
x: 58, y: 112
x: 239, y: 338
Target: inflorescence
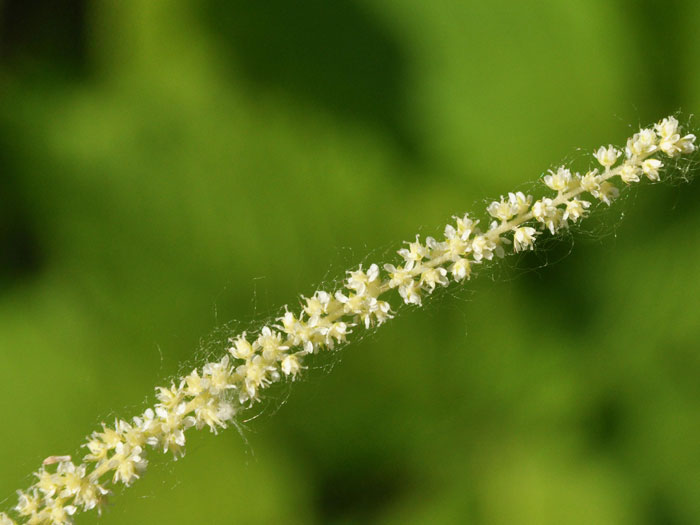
x: 213, y: 395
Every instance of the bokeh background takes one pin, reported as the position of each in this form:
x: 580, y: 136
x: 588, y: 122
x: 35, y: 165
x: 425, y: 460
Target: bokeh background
x: 166, y: 167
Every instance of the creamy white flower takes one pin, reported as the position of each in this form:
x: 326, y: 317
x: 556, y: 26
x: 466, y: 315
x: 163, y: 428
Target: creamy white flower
x: 629, y: 172
x: 219, y: 374
x: 171, y: 397
x: 545, y: 211
x: 335, y: 333
x: 241, y: 348
x: 381, y: 312
x: 290, y: 365
x: 361, y: 281
x: 58, y: 513
x: 642, y: 143
x: 410, y: 292
x: 85, y: 491
x: 686, y: 145
x: 575, y: 209
x: 524, y: 238
x: 607, y: 192
x: 299, y: 331
x: 319, y: 304
x: 214, y: 413
x: 415, y: 252
x: 455, y: 246
x: 519, y: 202
x: 670, y: 141
x: 482, y: 247
x: 461, y: 269
x: 195, y: 384
x: 6, y: 520
x: 465, y: 226
x: 28, y: 503
x: 590, y: 182
x: 48, y: 482
x: 257, y: 373
x: 501, y: 209
x: 398, y: 276
x: 558, y: 180
x: 127, y: 463
x: 667, y: 128
x: 651, y: 168
x: 431, y: 277
x: 270, y: 343
x: 607, y: 156
x: 173, y: 423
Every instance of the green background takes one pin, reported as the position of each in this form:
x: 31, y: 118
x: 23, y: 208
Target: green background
x: 166, y: 167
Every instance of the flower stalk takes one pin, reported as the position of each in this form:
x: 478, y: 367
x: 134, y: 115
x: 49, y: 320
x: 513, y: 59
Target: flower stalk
x: 214, y: 394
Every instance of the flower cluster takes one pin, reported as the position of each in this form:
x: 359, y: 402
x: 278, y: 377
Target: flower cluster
x: 213, y: 395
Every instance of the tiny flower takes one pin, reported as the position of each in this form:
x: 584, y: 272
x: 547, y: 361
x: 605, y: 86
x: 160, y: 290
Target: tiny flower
x: 241, y: 348
x: 85, y: 491
x: 298, y: 331
x: 28, y: 503
x: 170, y: 397
x: 548, y: 214
x: 270, y: 342
x: 335, y: 333
x: 91, y: 494
x: 651, y: 167
x: 360, y: 281
x: 686, y: 145
x: 482, y: 248
x: 72, y: 478
x: 670, y: 141
x: 524, y: 238
x: 607, y: 156
x: 667, y: 128
x: 257, y: 373
x: 435, y: 248
x: 215, y: 413
x: 290, y: 365
x: 559, y: 180
x: 58, y: 513
x: 607, y: 192
x: 319, y: 304
x: 629, y: 172
x: 410, y: 292
x: 48, y: 482
x: 219, y: 375
x: 132, y: 435
x: 171, y: 437
x: 6, y: 520
x: 501, y: 209
x: 642, y: 143
x: 461, y: 269
x: 98, y: 450
x: 575, y: 209
x: 519, y: 202
x: 415, y: 252
x: 431, y: 277
x: 127, y: 463
x: 455, y: 246
x: 380, y: 313
x: 195, y: 384
x: 590, y: 182
x: 465, y: 226
x: 398, y: 276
